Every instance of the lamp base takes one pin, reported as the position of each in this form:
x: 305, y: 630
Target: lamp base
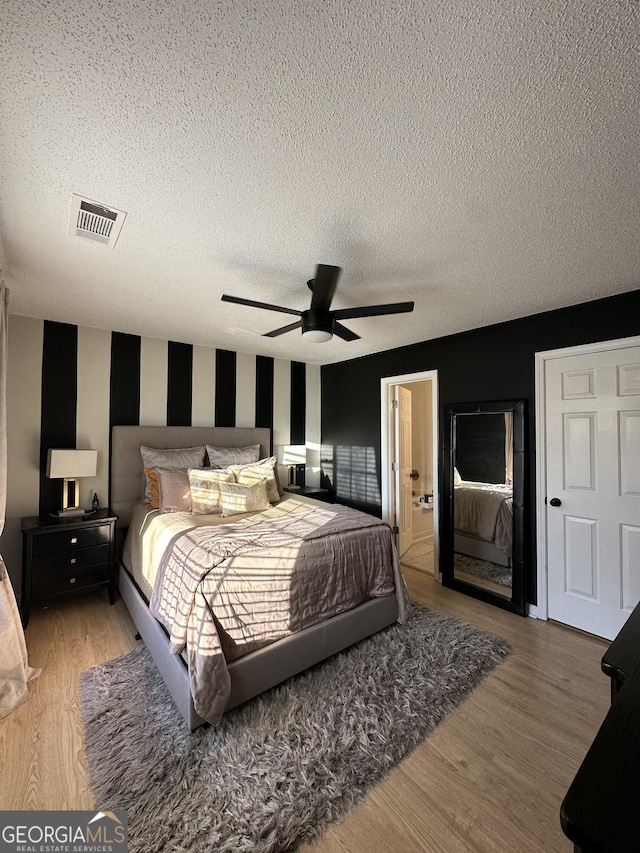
x: 70, y: 512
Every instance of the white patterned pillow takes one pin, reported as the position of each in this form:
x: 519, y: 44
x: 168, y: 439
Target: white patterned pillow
x: 222, y: 457
x: 205, y: 488
x: 174, y: 457
x: 270, y: 463
x: 236, y: 498
x: 247, y: 475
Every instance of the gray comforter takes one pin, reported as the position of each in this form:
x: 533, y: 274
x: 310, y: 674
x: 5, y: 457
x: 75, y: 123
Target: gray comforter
x: 309, y: 565
x: 485, y: 510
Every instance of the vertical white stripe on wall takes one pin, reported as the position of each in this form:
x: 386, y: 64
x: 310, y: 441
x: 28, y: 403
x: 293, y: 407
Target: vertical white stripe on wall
x: 281, y: 403
x: 204, y: 386
x: 24, y: 405
x: 312, y: 425
x: 154, y: 364
x: 92, y: 417
x: 245, y: 390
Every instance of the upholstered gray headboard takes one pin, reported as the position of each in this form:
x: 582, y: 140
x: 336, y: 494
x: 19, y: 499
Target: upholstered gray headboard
x: 126, y: 461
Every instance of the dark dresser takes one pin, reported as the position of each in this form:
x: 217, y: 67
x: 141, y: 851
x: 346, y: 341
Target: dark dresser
x: 601, y: 810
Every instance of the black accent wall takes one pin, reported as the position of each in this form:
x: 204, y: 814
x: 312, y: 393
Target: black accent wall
x: 179, y: 383
x: 124, y: 391
x: 264, y: 391
x: 59, y: 396
x: 492, y: 363
x: 298, y: 395
x: 480, y: 448
x: 298, y: 423
x: 226, y: 368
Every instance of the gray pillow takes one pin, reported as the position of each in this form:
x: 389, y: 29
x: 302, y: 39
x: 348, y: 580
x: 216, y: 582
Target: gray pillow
x: 174, y: 490
x: 174, y: 457
x: 222, y: 457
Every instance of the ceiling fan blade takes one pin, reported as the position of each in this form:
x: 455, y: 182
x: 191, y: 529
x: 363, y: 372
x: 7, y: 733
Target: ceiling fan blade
x: 282, y: 330
x: 344, y: 333
x: 373, y: 310
x: 324, y: 286
x: 252, y: 304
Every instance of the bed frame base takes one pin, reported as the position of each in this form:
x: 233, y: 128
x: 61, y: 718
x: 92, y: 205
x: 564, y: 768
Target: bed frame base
x: 265, y: 668
x: 480, y: 549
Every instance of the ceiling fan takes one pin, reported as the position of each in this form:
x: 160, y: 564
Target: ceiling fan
x: 318, y: 323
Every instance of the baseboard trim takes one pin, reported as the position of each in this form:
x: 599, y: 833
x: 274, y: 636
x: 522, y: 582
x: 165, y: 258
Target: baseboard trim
x: 532, y: 611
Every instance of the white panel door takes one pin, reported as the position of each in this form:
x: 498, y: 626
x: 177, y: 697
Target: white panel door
x: 403, y: 474
x: 593, y: 488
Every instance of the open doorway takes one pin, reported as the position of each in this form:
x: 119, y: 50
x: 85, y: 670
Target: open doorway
x: 409, y: 459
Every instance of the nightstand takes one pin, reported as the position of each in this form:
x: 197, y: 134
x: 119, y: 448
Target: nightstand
x: 308, y: 491
x: 65, y: 555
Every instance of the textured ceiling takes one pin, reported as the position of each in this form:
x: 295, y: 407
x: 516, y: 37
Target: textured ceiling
x: 480, y: 158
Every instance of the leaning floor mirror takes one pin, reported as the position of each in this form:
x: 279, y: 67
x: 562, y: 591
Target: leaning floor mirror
x: 482, y: 551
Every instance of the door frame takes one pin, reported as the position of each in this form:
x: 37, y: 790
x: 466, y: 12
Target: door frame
x: 387, y: 450
x: 541, y: 359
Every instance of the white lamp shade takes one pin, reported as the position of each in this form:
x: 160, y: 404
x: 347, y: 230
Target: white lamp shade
x: 70, y: 464
x: 294, y: 454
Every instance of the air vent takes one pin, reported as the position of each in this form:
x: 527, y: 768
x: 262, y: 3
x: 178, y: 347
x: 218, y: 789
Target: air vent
x: 95, y: 221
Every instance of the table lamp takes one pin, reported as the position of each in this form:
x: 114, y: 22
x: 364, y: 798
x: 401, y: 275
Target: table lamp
x: 70, y: 465
x: 292, y: 456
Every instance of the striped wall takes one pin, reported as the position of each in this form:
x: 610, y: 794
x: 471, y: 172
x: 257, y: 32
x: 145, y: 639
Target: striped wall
x: 68, y: 385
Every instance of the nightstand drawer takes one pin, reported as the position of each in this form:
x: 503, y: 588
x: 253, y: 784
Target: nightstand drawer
x: 64, y: 540
x: 80, y: 559
x: 51, y: 583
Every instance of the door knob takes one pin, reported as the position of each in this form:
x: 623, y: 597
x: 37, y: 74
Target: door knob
x: 555, y: 502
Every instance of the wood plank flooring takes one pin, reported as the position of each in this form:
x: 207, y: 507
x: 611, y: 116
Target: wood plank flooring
x: 490, y: 778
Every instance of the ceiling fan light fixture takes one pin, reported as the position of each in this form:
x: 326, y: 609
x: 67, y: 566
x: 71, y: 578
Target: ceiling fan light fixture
x: 317, y: 326
x: 317, y: 336
x: 319, y: 323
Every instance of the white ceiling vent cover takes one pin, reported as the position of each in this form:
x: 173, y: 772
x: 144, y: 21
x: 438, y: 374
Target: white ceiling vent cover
x: 94, y: 220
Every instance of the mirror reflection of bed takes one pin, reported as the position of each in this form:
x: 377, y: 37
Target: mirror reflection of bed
x: 483, y: 527
x: 483, y: 501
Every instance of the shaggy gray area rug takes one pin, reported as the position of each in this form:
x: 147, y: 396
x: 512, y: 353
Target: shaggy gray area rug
x: 483, y: 569
x: 279, y: 769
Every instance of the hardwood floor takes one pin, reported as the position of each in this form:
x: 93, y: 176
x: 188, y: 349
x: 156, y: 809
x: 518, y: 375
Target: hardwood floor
x: 490, y: 778
x: 41, y: 742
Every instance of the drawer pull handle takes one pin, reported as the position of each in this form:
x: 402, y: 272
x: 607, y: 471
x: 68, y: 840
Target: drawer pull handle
x: 72, y: 561
x: 74, y: 540
x: 72, y: 580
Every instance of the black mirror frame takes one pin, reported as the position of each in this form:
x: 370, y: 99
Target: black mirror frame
x: 516, y: 603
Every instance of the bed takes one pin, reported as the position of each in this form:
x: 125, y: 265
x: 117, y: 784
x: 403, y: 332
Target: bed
x: 215, y: 653
x: 483, y: 521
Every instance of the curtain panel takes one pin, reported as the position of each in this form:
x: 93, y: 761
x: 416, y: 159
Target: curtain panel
x: 15, y: 671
